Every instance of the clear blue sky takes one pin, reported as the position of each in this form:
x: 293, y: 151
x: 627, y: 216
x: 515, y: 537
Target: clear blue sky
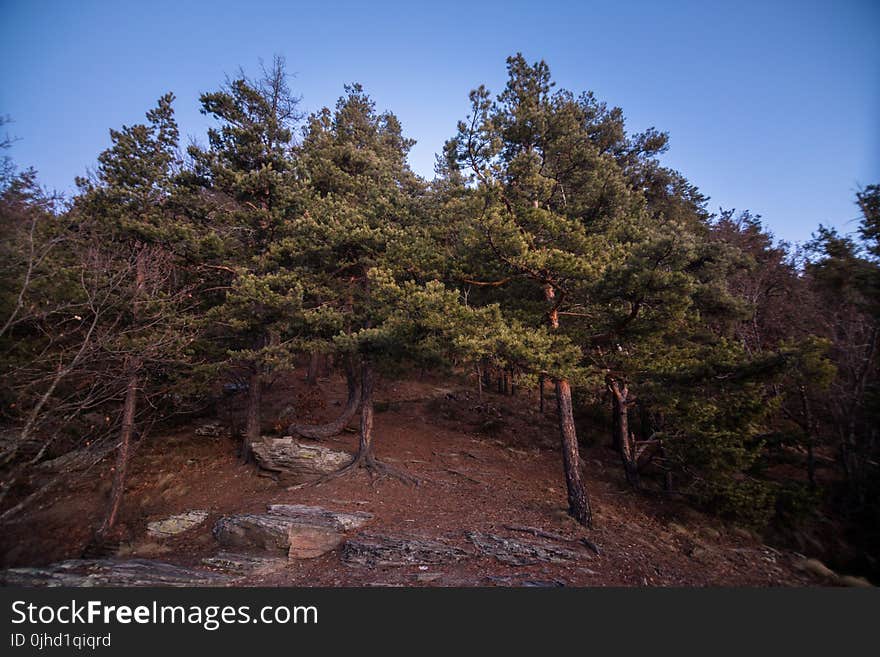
x: 771, y: 106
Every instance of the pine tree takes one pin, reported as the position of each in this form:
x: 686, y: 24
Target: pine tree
x: 244, y: 189
x: 554, y: 212
x: 358, y: 212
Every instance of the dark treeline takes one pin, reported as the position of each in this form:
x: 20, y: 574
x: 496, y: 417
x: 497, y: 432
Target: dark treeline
x: 552, y: 248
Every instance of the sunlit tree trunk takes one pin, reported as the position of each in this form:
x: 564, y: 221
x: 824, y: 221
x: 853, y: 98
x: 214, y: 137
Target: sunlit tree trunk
x: 578, y: 502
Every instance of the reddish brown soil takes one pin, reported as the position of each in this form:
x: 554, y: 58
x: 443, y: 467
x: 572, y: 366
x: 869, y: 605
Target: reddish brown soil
x: 482, y: 465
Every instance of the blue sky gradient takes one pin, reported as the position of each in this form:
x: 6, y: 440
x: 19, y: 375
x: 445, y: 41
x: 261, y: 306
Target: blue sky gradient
x: 771, y: 106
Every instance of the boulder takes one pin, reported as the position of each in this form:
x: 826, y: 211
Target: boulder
x: 309, y: 541
x: 297, y: 461
x: 341, y: 520
x: 299, y: 531
x: 111, y: 572
x: 260, y: 532
x: 176, y: 524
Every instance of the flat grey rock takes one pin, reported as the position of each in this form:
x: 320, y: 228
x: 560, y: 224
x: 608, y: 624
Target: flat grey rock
x: 341, y: 520
x: 111, y: 572
x: 521, y: 552
x: 367, y: 549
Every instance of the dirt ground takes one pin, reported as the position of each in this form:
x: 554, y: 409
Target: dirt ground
x: 483, y: 465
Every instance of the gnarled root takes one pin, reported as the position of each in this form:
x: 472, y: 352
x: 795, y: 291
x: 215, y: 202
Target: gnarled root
x: 378, y: 470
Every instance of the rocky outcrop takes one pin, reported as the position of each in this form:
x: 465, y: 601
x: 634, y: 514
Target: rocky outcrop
x: 295, y: 461
x: 520, y: 552
x: 371, y: 550
x: 341, y: 520
x: 299, y: 531
x: 111, y: 572
x: 177, y: 524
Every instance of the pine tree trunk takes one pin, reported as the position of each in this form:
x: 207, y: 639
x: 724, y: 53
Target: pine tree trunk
x: 615, y: 424
x: 541, y: 393
x: 623, y: 438
x: 252, y: 421
x: 365, y: 439
x: 123, y: 452
x: 129, y: 406
x: 578, y: 502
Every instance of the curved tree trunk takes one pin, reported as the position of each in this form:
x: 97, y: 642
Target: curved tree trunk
x: 335, y: 427
x: 623, y: 438
x: 365, y: 457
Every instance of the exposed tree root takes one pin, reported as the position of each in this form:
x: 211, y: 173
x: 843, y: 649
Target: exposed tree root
x: 364, y: 457
x: 377, y: 470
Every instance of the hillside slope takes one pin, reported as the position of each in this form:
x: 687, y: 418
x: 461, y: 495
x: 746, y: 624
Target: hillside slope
x: 490, y: 467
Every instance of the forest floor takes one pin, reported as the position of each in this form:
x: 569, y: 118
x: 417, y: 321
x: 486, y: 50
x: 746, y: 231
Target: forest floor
x: 484, y: 466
